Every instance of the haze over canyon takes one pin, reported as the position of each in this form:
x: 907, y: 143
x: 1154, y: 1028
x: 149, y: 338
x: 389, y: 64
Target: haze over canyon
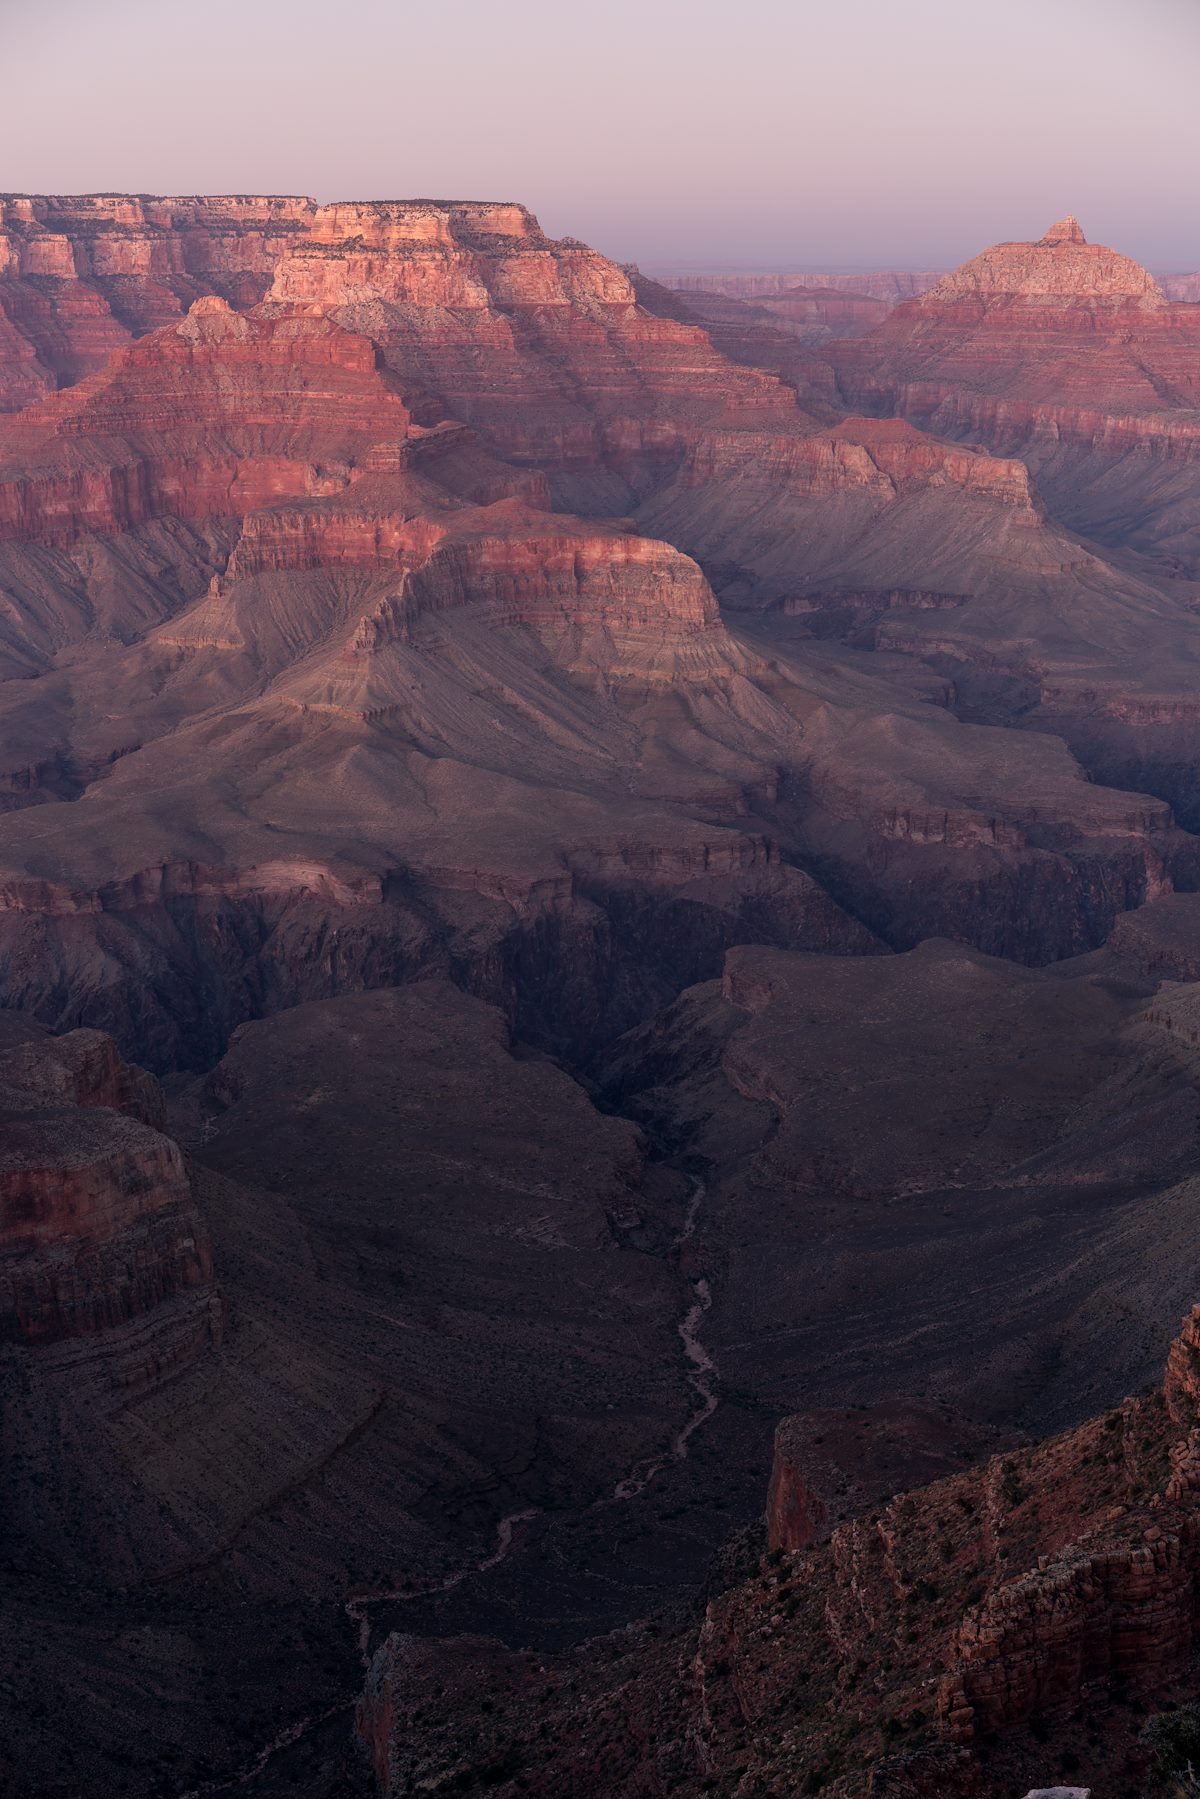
x: 599, y: 1013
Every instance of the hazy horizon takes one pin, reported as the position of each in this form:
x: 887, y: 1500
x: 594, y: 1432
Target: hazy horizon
x: 658, y: 133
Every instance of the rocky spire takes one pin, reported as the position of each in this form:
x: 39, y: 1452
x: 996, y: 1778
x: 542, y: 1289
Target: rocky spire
x: 1067, y: 231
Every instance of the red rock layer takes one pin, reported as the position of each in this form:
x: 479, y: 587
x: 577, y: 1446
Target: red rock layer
x: 51, y: 334
x: 555, y: 576
x: 81, y: 1069
x: 208, y: 418
x: 81, y: 275
x: 1126, y: 1609
x: 97, y: 1224
x: 540, y: 342
x: 1058, y: 340
x: 831, y: 1465
x: 883, y: 456
x: 463, y: 677
x: 867, y: 507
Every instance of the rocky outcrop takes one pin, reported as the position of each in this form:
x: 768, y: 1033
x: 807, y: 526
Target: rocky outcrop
x: 97, y: 1222
x: 1118, y: 1605
x: 97, y: 1227
x: 82, y: 275
x: 1098, y: 315
x: 1111, y: 379
x: 82, y: 1068
x: 886, y: 457
x: 1042, y: 1644
x: 794, y: 518
x: 832, y: 1465
x: 1056, y: 1583
x: 1112, y: 362
x: 212, y: 417
x: 538, y: 342
x: 1060, y: 265
x: 1088, y: 1551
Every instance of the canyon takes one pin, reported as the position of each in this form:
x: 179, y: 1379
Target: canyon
x: 1052, y: 1584
x: 599, y: 907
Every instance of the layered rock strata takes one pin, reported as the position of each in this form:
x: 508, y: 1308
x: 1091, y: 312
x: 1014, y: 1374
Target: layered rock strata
x: 539, y: 342
x: 98, y: 1226
x: 1057, y: 1584
x: 447, y: 1298
x: 1106, y: 407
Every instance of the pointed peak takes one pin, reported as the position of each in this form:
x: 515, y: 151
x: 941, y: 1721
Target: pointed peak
x: 1067, y: 231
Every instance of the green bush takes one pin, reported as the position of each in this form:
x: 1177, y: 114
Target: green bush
x: 1174, y: 1739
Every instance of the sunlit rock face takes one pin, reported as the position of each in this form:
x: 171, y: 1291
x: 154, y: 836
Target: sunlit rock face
x: 1069, y: 354
x: 539, y: 342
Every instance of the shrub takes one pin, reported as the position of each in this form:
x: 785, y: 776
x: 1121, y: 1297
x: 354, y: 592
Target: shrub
x: 1174, y: 1740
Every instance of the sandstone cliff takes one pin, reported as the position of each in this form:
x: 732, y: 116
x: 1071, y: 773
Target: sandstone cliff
x: 293, y: 569
x: 538, y: 342
x: 210, y: 418
x: 299, y: 575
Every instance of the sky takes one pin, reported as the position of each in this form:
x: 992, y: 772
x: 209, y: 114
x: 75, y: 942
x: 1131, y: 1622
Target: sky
x: 750, y: 133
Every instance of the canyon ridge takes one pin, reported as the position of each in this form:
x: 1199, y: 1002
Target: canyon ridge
x: 599, y: 1073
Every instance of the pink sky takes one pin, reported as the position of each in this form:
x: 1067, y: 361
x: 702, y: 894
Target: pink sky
x: 855, y: 132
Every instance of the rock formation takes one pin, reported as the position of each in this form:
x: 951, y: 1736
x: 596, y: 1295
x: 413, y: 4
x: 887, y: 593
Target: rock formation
x: 903, y: 542
x: 97, y: 1223
x: 831, y: 1465
x: 444, y: 1299
x: 537, y: 342
x: 1092, y: 432
x: 1107, y: 405
x: 1047, y: 1580
x: 211, y: 418
x: 305, y: 558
